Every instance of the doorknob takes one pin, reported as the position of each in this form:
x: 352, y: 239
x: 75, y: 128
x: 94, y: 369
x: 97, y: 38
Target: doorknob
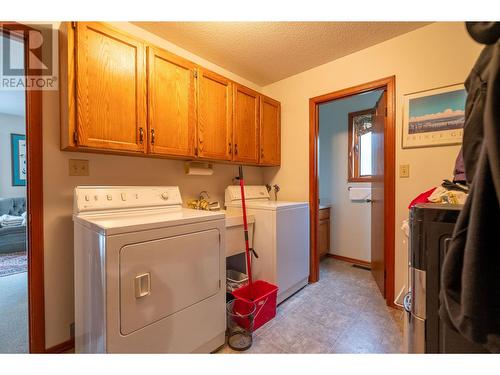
x: 368, y: 200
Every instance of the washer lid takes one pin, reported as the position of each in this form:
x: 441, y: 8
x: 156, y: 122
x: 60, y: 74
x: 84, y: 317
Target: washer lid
x: 269, y: 205
x: 116, y: 222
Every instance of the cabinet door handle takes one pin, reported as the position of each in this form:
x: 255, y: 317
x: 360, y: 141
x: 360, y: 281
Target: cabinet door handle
x: 262, y: 153
x: 141, y: 135
x: 230, y: 148
x: 235, y: 149
x: 152, y: 136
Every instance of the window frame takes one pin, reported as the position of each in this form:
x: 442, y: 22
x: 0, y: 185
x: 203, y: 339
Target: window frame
x: 353, y: 155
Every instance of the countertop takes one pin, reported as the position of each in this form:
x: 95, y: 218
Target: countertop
x: 234, y: 219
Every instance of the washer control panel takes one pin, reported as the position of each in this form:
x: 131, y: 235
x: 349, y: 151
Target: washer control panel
x: 99, y: 198
x: 252, y: 192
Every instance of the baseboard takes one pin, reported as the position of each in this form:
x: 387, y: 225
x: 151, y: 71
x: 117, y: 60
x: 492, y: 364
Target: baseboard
x: 393, y: 305
x: 63, y: 347
x: 363, y: 263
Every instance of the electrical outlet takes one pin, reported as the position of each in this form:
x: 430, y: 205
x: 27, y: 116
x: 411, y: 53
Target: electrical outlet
x: 78, y: 167
x: 404, y: 170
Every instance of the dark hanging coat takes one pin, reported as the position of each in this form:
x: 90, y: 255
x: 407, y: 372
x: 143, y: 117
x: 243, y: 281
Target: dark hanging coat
x: 470, y: 283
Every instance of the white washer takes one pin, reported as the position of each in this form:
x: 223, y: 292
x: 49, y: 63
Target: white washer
x: 281, y: 238
x: 149, y: 274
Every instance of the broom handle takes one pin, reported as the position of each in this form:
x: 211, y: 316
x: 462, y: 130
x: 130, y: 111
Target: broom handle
x: 245, y: 227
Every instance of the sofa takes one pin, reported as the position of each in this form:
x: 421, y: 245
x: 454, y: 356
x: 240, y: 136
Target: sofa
x: 12, y: 239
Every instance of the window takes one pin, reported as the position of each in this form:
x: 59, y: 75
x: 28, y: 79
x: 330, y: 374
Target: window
x: 360, y: 146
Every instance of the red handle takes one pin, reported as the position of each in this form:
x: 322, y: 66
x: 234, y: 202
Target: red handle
x: 245, y: 227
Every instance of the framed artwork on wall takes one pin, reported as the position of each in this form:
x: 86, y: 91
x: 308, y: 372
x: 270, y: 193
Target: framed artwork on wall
x: 434, y: 117
x: 18, y: 157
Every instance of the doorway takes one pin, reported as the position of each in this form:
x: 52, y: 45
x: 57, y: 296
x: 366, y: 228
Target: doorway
x: 381, y: 178
x: 27, y: 321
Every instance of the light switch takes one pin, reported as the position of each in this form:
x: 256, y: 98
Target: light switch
x: 78, y: 167
x: 404, y: 170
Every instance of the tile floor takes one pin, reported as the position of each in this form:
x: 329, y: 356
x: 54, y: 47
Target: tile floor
x: 342, y: 313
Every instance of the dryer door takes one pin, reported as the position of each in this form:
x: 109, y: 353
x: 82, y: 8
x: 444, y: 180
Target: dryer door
x: 162, y: 277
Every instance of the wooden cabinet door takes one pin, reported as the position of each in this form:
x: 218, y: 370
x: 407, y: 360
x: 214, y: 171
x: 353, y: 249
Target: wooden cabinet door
x: 171, y: 104
x: 245, y: 125
x: 214, y: 116
x: 110, y: 85
x: 270, y: 131
x: 323, y: 237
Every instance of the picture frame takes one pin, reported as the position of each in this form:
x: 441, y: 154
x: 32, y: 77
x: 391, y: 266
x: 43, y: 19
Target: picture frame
x: 18, y: 159
x: 434, y: 117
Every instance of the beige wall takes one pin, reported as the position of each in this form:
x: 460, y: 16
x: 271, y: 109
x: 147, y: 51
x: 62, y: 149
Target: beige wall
x: 9, y: 124
x: 105, y: 170
x: 436, y: 55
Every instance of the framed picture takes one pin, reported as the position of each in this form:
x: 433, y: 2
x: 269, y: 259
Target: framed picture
x: 434, y: 117
x: 18, y: 157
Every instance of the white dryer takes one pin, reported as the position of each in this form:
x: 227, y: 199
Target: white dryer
x: 149, y: 274
x: 281, y: 238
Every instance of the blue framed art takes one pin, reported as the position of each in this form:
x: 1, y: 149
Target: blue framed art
x: 18, y: 157
x: 434, y: 117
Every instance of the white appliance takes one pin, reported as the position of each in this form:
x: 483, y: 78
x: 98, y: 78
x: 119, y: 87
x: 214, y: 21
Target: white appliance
x: 235, y: 239
x: 281, y: 238
x: 149, y: 274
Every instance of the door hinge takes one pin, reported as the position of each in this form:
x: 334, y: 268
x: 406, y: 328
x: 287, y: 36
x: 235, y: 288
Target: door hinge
x: 73, y: 24
x: 75, y: 137
x: 195, y: 73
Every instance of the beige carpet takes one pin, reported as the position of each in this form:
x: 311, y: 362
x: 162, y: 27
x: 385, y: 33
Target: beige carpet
x: 14, y: 313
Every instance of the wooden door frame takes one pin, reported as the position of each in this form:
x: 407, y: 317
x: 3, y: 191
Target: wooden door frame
x: 389, y: 83
x: 34, y: 198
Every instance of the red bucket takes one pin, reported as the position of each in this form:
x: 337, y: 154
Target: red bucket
x: 264, y: 296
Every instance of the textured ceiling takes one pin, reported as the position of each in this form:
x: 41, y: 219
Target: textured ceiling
x: 265, y: 52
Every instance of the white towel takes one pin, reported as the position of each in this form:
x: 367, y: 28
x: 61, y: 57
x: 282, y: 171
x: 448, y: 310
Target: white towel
x: 359, y: 194
x: 10, y: 221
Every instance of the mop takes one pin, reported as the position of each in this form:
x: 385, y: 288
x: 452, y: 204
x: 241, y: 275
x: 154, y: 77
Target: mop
x: 260, y: 292
x: 245, y: 228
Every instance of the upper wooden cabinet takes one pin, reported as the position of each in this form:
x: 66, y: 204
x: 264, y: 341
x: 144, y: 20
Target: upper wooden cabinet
x: 270, y: 131
x: 119, y: 94
x: 245, y: 125
x: 110, y: 89
x: 171, y: 104
x: 215, y: 128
